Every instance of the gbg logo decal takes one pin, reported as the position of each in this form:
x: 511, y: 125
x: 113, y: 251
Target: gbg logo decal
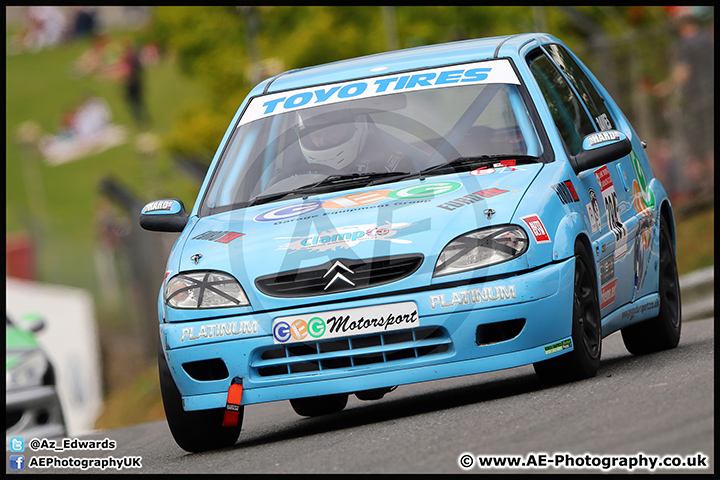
x: 424, y: 191
x: 282, y: 213
x: 299, y: 329
x: 413, y: 192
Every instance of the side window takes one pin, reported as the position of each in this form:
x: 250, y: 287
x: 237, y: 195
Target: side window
x: 568, y: 113
x: 582, y: 84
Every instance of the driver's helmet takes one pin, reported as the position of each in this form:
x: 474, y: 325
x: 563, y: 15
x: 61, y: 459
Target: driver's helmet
x: 333, y: 138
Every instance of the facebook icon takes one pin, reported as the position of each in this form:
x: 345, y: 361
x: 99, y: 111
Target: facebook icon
x: 17, y: 462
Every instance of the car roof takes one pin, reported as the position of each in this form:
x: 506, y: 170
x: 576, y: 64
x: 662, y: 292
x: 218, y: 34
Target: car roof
x: 404, y: 60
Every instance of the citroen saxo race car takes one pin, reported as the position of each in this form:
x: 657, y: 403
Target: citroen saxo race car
x: 409, y: 216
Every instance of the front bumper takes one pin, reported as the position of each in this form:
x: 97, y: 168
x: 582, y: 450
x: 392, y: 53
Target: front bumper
x: 34, y: 413
x: 507, y: 322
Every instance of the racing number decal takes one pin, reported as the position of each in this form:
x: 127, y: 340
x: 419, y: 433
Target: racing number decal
x: 607, y: 190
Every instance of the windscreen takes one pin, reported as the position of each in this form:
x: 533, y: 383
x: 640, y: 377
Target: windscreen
x: 371, y: 131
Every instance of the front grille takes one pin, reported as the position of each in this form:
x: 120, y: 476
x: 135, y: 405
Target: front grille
x: 354, y: 352
x: 331, y: 277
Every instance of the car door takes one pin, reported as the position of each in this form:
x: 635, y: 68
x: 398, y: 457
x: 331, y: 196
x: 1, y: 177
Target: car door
x: 578, y: 111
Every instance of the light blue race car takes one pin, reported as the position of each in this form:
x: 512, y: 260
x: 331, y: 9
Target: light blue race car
x: 409, y: 216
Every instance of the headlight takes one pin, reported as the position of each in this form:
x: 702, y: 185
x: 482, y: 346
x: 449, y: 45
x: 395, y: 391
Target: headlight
x: 204, y: 290
x: 481, y: 248
x: 28, y: 372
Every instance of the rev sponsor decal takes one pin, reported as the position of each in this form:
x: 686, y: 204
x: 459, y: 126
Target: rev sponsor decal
x: 345, y: 323
x: 607, y: 293
x: 536, y: 228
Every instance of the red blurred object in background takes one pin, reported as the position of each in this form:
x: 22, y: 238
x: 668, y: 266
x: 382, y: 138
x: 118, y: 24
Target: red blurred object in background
x: 20, y: 256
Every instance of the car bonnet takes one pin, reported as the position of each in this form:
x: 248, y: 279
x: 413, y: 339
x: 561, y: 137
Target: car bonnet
x: 408, y: 217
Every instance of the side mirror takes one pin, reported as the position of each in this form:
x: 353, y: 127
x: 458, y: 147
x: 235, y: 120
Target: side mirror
x: 32, y: 322
x: 166, y: 215
x: 601, y: 148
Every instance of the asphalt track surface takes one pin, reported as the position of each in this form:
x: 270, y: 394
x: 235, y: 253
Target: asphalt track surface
x: 636, y: 407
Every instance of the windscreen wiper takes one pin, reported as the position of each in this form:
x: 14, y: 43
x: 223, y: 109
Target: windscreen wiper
x: 327, y: 184
x: 370, y: 177
x: 476, y: 160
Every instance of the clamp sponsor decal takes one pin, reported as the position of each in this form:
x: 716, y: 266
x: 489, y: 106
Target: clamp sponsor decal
x: 536, y: 228
x: 413, y: 193
x: 566, y: 192
x: 219, y: 236
x: 345, y: 237
x: 593, y: 211
x: 217, y: 330
x: 607, y: 190
x: 472, y: 198
x: 477, y: 295
x: 493, y: 71
x: 345, y: 323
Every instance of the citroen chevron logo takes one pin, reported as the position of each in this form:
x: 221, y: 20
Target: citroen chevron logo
x: 338, y: 275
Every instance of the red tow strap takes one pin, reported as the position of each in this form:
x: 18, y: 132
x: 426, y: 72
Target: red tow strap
x: 232, y: 406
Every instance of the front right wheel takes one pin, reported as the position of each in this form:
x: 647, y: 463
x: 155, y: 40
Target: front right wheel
x: 194, y: 431
x: 584, y: 360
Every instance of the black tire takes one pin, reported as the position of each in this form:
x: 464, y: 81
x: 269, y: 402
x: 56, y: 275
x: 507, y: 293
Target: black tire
x: 663, y: 331
x: 584, y: 360
x: 317, y: 406
x: 195, y: 431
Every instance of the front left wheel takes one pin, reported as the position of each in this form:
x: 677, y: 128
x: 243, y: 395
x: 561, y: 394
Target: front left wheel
x: 194, y: 431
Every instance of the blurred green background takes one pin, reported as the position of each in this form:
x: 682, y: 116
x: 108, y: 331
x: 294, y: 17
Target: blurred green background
x: 73, y: 217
